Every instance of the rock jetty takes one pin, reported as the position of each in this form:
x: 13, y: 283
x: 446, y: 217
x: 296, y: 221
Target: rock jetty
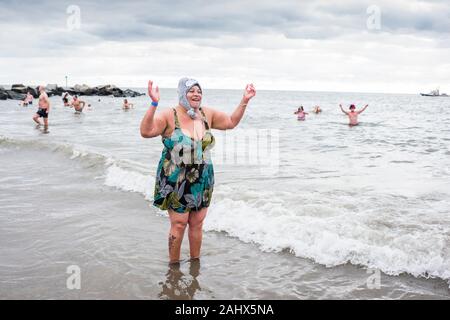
x: 19, y: 91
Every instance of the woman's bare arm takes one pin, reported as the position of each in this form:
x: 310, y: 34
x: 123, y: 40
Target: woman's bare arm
x: 153, y: 125
x: 223, y: 121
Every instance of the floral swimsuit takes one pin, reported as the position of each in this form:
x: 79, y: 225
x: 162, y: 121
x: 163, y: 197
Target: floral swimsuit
x: 185, y: 174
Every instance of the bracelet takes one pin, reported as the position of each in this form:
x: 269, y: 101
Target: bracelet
x: 244, y: 103
x: 155, y: 104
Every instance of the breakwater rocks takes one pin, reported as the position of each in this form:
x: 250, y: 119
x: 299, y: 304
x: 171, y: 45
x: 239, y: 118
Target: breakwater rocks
x: 19, y: 91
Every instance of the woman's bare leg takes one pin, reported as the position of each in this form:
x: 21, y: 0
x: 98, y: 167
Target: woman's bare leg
x: 195, y: 232
x: 178, y: 222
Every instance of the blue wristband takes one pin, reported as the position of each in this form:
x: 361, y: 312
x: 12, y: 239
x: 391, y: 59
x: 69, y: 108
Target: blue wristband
x: 155, y: 104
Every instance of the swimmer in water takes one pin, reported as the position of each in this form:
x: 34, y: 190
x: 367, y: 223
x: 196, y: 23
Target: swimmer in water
x: 301, y: 113
x: 28, y: 100
x: 127, y: 105
x: 353, y: 115
x: 65, y: 99
x: 76, y: 103
x: 317, y: 110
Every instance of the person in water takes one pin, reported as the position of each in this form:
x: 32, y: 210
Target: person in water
x: 301, y: 114
x: 28, y: 100
x: 317, y: 110
x: 65, y: 99
x: 353, y: 115
x: 127, y: 105
x: 44, y: 107
x: 77, y: 104
x: 185, y: 175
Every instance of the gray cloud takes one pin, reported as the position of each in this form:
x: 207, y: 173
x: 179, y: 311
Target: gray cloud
x: 319, y: 40
x: 155, y: 20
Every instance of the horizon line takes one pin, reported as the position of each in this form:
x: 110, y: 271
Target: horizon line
x: 234, y: 89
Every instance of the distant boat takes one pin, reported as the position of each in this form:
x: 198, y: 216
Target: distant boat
x: 434, y: 93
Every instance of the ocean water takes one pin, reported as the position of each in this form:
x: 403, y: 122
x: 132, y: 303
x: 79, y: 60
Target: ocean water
x: 315, y: 201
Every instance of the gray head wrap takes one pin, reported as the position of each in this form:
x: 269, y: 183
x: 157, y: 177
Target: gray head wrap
x: 184, y: 85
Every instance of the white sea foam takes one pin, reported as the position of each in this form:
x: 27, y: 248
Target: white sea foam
x: 127, y: 180
x: 325, y: 233
x: 336, y: 233
x: 78, y: 153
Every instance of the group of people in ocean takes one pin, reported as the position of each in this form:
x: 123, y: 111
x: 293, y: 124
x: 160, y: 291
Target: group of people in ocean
x: 75, y: 102
x: 78, y: 105
x: 352, y: 114
x: 44, y: 104
x: 68, y: 101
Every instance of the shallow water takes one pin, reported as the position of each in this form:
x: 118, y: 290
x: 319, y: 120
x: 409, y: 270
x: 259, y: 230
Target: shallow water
x: 345, y: 198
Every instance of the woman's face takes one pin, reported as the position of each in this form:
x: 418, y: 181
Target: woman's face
x: 194, y: 96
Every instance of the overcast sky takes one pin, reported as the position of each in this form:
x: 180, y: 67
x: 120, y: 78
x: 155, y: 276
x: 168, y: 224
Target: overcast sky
x: 354, y: 45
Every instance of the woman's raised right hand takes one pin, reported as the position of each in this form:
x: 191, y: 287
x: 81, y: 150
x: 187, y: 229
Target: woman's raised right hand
x: 153, y: 92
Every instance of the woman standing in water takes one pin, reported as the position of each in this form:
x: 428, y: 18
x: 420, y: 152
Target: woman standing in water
x: 185, y: 175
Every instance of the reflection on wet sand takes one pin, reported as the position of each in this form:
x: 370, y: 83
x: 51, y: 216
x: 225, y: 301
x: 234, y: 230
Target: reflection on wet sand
x: 179, y: 286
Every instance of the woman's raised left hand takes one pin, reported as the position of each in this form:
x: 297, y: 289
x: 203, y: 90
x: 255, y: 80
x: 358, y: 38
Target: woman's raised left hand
x: 249, y: 92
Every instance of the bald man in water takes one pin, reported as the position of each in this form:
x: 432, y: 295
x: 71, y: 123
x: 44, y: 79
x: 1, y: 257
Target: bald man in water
x: 44, y: 107
x: 77, y: 104
x: 353, y: 115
